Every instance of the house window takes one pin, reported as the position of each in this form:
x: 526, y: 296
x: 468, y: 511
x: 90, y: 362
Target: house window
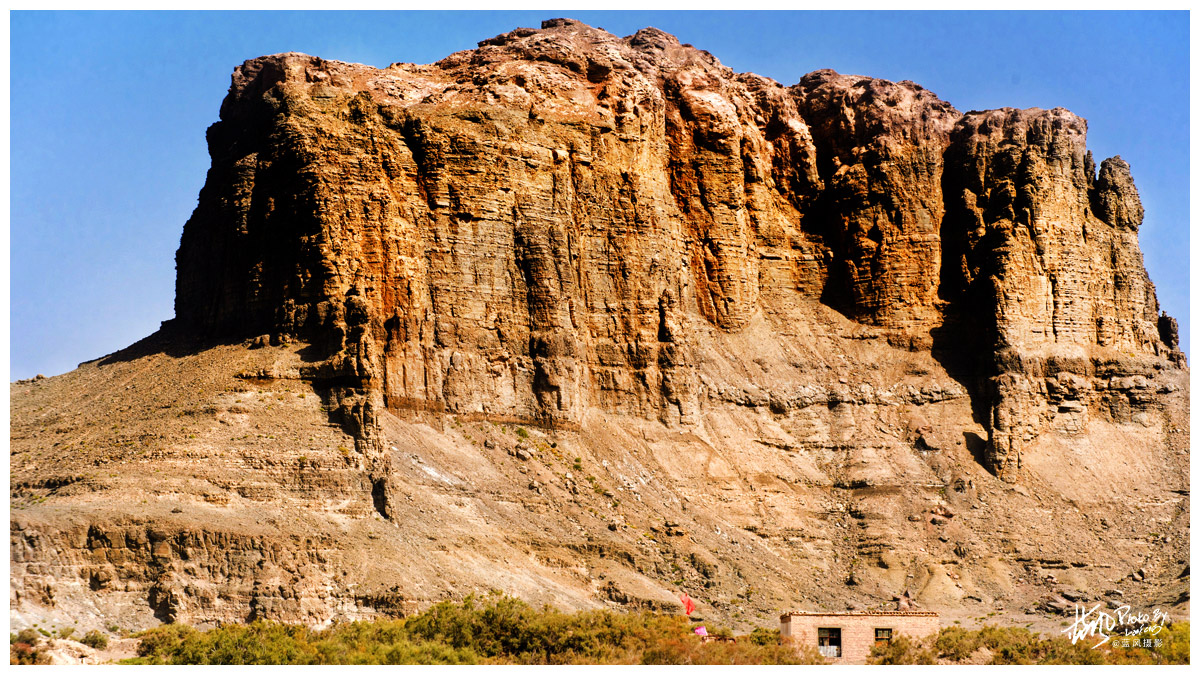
x: 829, y: 642
x: 883, y: 635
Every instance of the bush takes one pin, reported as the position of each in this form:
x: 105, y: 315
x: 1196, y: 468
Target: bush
x: 763, y: 636
x: 690, y: 650
x: 1012, y: 645
x: 1059, y: 650
x: 95, y: 639
x: 504, y: 629
x: 258, y: 643
x: 901, y: 650
x: 22, y: 648
x: 956, y: 643
x: 1176, y: 647
x: 493, y: 629
x: 499, y: 629
x: 28, y: 636
x: 158, y: 645
x: 25, y: 654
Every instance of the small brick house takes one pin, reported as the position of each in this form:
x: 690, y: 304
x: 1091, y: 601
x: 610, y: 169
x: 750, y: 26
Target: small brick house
x: 847, y: 637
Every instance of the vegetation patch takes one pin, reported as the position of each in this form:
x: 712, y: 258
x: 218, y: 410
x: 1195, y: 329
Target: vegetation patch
x: 1019, y: 646
x: 492, y: 629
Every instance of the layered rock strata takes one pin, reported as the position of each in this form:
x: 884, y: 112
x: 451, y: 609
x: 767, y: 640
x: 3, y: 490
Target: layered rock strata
x: 529, y: 229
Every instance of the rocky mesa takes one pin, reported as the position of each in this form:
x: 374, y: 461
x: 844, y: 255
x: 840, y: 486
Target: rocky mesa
x: 591, y: 320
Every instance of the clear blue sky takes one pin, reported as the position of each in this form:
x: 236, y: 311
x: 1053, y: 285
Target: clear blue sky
x: 108, y: 113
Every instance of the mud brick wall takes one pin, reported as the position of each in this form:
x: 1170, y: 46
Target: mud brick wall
x: 858, y: 630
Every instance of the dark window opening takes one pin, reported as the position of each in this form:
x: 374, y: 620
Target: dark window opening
x: 829, y: 642
x: 883, y: 635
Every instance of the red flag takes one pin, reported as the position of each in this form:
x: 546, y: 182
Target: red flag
x: 688, y: 605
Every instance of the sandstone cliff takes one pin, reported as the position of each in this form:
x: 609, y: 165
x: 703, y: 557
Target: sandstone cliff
x: 532, y: 228
x: 834, y: 291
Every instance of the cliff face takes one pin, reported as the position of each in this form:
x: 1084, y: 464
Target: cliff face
x: 1046, y: 256
x: 537, y: 227
x: 594, y: 319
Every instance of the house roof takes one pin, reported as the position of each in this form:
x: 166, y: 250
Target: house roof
x: 863, y: 613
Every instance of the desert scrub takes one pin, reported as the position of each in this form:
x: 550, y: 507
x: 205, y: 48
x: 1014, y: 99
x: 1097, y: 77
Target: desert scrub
x: 956, y: 644
x: 691, y: 651
x: 491, y: 629
x: 95, y: 639
x: 764, y: 636
x: 900, y: 650
x: 23, y: 648
x: 256, y: 643
x: 1017, y: 645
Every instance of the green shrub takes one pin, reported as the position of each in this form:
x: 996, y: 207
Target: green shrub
x: 25, y: 654
x: 957, y: 644
x: 1010, y: 645
x: 499, y: 629
x: 1176, y: 647
x: 23, y: 648
x: 95, y: 639
x: 901, y: 650
x: 257, y: 643
x: 1059, y: 651
x: 763, y: 636
x: 28, y: 636
x: 504, y: 628
x: 690, y: 650
x: 427, y: 653
x: 1174, y: 650
x: 1014, y: 645
x: 157, y: 645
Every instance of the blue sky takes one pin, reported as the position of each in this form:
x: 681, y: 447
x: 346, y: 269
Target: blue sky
x: 108, y: 113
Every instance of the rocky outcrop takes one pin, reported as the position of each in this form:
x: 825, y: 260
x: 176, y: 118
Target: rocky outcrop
x: 531, y: 229
x: 156, y: 564
x: 1049, y: 252
x: 880, y: 148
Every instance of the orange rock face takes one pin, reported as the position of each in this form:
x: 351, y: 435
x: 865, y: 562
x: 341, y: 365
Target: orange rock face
x: 548, y: 224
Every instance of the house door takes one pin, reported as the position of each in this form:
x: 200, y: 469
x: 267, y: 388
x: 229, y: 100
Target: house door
x: 829, y: 642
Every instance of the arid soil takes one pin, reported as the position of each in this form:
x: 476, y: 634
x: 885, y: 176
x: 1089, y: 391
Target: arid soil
x: 149, y: 486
